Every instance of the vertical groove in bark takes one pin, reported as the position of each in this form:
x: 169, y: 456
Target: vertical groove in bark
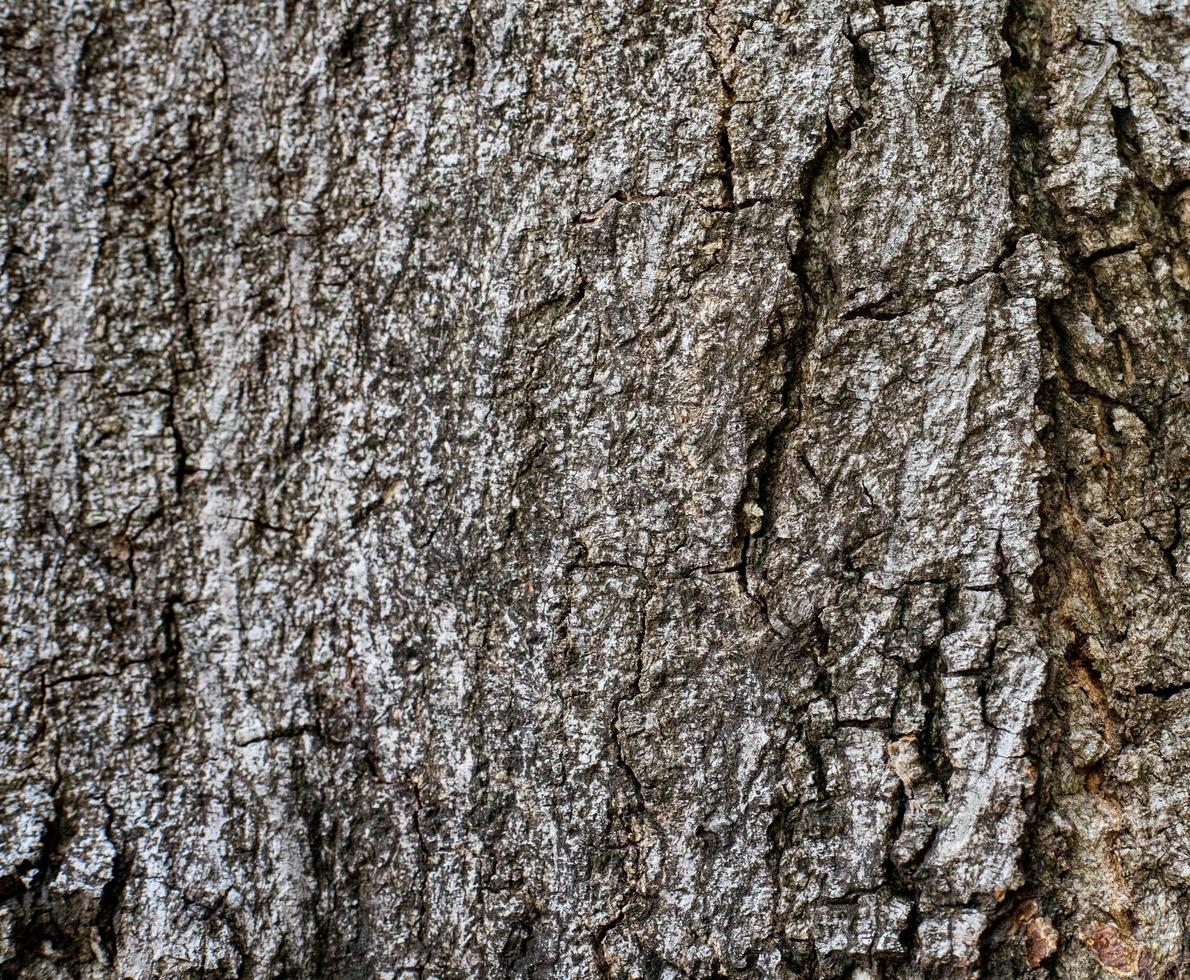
x: 1080, y: 910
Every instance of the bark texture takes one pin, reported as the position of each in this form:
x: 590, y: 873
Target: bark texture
x: 604, y: 489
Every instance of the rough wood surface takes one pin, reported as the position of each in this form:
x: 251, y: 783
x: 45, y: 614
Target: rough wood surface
x: 597, y: 489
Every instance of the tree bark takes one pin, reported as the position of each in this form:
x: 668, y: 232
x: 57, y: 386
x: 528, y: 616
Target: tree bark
x: 621, y: 489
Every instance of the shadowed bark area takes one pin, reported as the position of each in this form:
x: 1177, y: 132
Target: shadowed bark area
x: 640, y: 489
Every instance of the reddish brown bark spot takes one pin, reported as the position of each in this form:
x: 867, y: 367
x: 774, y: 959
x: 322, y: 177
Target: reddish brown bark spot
x: 1038, y: 933
x: 1118, y: 954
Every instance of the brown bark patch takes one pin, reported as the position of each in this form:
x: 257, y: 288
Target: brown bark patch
x: 1117, y: 953
x: 1037, y: 933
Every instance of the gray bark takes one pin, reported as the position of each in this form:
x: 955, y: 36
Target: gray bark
x: 602, y: 489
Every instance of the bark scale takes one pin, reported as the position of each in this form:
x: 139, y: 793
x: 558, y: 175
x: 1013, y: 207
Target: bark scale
x: 627, y: 490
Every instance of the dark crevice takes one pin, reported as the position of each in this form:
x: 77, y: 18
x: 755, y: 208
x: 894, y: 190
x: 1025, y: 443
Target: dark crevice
x: 725, y: 67
x: 178, y: 369
x: 796, y: 337
x: 638, y: 795
x: 819, y: 649
x: 182, y: 467
x: 1103, y: 253
x: 348, y: 45
x: 37, y: 931
x: 111, y: 897
x: 897, y: 305
x: 320, y: 841
x: 623, y: 819
x: 900, y: 881
x: 467, y: 48
x: 517, y: 954
x: 1164, y: 692
x: 1127, y: 139
x: 599, y: 937
x: 284, y: 733
x: 1026, y: 30
x: 166, y: 669
x: 931, y: 671
x: 727, y: 173
x: 797, y: 326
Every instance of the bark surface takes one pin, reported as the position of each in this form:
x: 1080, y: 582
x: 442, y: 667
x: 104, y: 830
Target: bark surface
x: 595, y: 490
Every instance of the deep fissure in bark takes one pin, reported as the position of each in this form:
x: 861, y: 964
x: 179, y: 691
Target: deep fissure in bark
x: 810, y: 263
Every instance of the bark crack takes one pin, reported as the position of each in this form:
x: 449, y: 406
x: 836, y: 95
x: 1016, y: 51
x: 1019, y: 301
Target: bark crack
x: 798, y: 324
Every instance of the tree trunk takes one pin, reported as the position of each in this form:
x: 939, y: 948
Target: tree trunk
x: 595, y: 489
